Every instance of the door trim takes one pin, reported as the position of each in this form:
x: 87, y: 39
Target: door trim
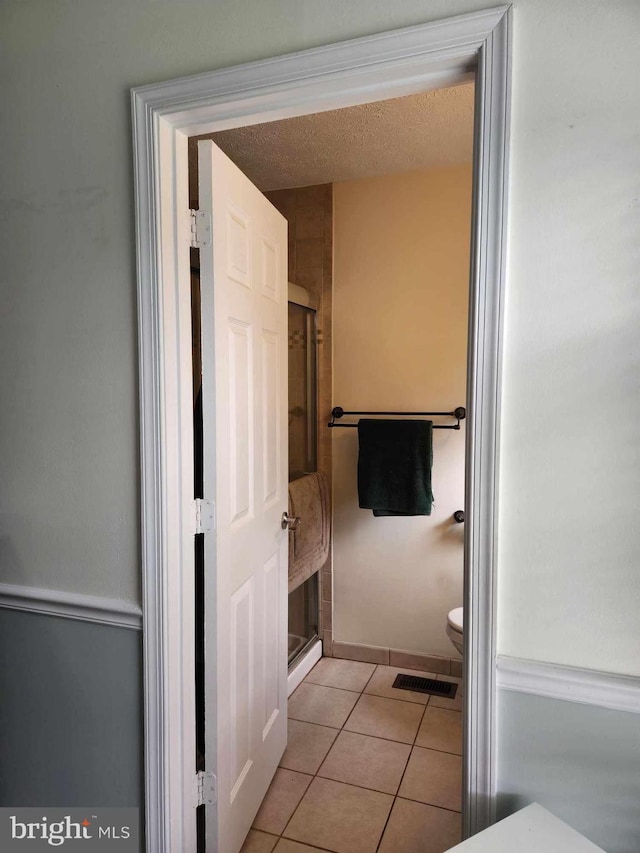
x: 386, y: 65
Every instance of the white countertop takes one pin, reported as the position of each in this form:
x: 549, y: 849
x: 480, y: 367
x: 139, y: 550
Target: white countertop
x: 531, y: 830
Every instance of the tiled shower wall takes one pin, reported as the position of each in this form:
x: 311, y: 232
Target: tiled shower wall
x: 309, y: 212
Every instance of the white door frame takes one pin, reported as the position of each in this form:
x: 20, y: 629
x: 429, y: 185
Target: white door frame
x: 386, y: 65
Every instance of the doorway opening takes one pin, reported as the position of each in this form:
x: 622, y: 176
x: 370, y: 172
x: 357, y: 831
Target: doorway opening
x: 378, y: 271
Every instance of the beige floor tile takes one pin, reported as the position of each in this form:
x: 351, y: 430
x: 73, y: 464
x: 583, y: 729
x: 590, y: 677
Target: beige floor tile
x: 383, y: 678
x: 284, y: 794
x: 385, y: 718
x: 433, y: 777
x: 366, y: 761
x: 340, y: 817
x: 441, y: 729
x: 285, y: 845
x: 450, y: 704
x: 326, y: 706
x: 307, y: 746
x: 418, y: 828
x: 346, y: 674
x: 259, y: 842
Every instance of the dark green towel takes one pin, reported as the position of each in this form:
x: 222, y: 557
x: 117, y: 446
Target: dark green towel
x: 394, y: 466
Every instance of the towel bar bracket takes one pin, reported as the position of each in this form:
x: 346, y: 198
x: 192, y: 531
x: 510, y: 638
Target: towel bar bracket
x: 459, y: 414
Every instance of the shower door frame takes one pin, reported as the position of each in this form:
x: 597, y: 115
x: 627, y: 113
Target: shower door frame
x: 311, y: 324
x: 389, y: 64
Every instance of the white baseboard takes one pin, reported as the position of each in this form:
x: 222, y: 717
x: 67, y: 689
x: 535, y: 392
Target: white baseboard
x: 571, y: 684
x: 304, y: 667
x: 70, y: 605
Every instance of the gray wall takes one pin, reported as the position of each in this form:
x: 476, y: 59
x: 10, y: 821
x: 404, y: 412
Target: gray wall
x: 70, y: 713
x: 580, y: 762
x: 69, y: 510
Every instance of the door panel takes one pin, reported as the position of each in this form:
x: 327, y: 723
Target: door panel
x: 271, y: 425
x: 244, y: 341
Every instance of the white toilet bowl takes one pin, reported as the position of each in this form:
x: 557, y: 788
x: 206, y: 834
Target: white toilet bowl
x: 454, y: 628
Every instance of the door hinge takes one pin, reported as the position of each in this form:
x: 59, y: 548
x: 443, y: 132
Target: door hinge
x: 204, y: 515
x: 207, y: 788
x: 199, y: 228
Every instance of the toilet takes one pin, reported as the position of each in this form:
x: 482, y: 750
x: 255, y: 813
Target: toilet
x: 454, y: 628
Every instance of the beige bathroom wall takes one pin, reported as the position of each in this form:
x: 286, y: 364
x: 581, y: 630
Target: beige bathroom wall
x: 401, y: 277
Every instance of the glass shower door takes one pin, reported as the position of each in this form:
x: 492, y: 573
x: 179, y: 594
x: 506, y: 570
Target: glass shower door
x: 303, y: 385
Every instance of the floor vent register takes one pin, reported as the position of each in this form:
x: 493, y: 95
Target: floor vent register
x: 418, y: 684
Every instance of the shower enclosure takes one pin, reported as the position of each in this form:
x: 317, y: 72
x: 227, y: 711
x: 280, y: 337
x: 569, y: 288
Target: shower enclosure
x: 303, y: 385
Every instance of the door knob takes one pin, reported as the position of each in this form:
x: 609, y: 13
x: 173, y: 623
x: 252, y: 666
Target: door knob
x: 290, y: 521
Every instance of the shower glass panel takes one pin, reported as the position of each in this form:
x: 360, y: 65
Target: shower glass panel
x: 303, y: 617
x: 303, y: 385
x: 302, y: 391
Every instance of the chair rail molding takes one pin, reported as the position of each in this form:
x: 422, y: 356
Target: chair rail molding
x: 569, y: 683
x: 364, y: 70
x: 71, y: 605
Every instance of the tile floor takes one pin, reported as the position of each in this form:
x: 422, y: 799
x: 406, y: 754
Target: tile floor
x: 368, y: 768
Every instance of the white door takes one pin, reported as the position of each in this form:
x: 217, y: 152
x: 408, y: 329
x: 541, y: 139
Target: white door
x: 244, y: 356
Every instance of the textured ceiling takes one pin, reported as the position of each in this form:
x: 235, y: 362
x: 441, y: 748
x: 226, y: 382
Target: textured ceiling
x: 415, y: 132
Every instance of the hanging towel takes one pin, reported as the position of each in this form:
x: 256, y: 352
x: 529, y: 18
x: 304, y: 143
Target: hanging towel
x: 394, y: 466
x: 309, y: 543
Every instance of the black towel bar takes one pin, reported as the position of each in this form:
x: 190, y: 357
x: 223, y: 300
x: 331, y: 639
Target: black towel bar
x: 459, y: 413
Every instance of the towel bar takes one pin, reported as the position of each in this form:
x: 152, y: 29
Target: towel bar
x: 460, y: 413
